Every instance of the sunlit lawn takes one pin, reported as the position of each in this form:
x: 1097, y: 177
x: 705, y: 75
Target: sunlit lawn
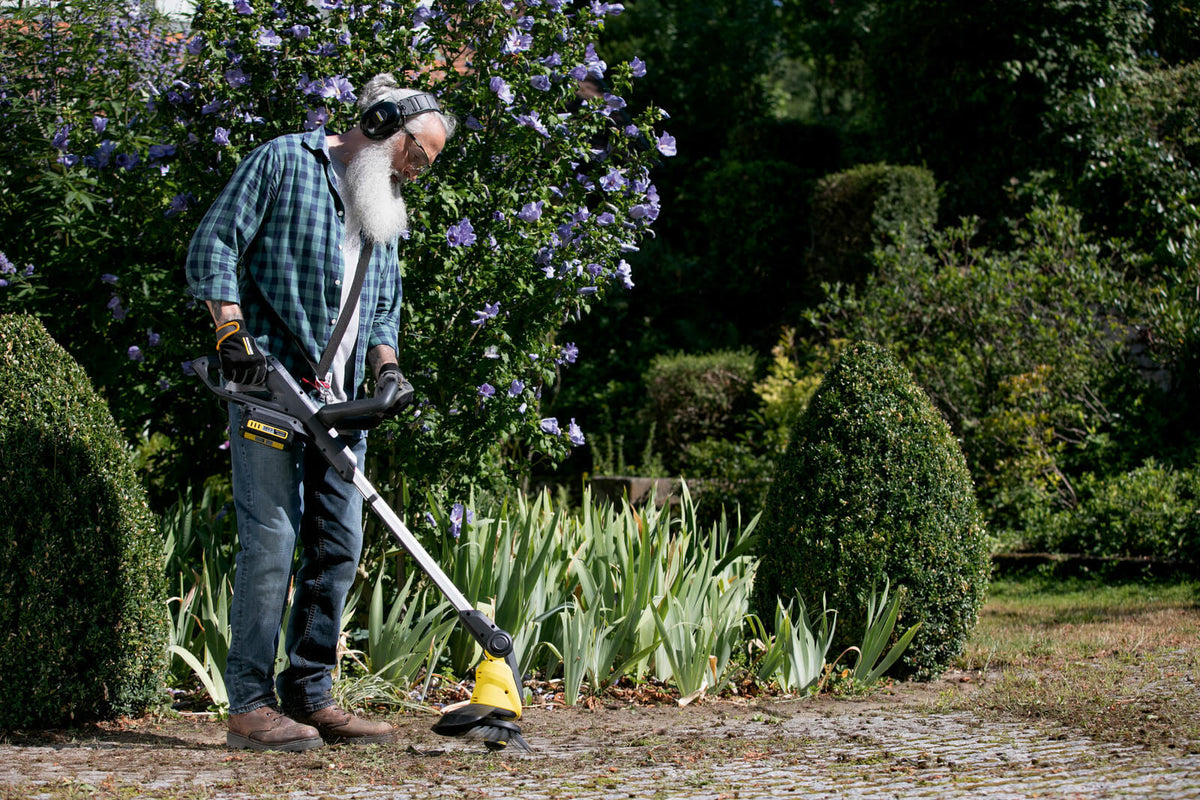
x: 1119, y: 661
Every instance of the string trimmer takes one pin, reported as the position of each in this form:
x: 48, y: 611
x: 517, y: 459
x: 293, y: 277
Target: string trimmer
x: 289, y: 416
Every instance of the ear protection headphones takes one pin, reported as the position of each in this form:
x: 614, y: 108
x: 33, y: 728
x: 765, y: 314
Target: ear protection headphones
x: 385, y: 118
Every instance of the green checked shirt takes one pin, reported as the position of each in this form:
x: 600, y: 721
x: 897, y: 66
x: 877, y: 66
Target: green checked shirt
x: 281, y: 219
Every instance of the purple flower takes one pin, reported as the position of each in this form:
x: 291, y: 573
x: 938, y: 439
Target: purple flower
x: 517, y: 42
x: 107, y: 277
x: 316, y: 118
x: 550, y: 425
x: 114, y: 305
x: 540, y: 82
x: 637, y: 67
x: 128, y: 161
x: 531, y: 212
x: 532, y: 120
x: 135, y: 353
x: 625, y: 273
x: 344, y: 38
x: 161, y: 151
x: 300, y: 32
x: 196, y: 45
x: 515, y: 388
x: 235, y: 77
x: 472, y: 123
x: 595, y: 65
x: 586, y: 290
x: 179, y: 204
x: 461, y: 234
x: 269, y: 39
x: 243, y: 7
x: 606, y: 218
x: 501, y: 89
x: 574, y: 433
x: 152, y: 338
x: 568, y: 353
x: 338, y: 87
x: 221, y: 136
x: 68, y: 159
x: 99, y: 124
x: 6, y: 266
x: 666, y: 144
x: 613, y: 181
x: 487, y: 390
x: 211, y: 108
x: 458, y: 517
x: 62, y: 138
x: 578, y: 73
x: 488, y: 312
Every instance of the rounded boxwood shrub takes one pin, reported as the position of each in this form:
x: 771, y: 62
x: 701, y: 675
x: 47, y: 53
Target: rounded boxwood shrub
x: 874, y: 485
x: 83, y: 626
x: 865, y: 207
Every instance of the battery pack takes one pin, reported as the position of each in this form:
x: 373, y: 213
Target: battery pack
x: 266, y: 427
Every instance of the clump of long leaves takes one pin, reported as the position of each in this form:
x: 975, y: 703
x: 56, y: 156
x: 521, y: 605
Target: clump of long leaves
x: 796, y: 657
x: 590, y: 595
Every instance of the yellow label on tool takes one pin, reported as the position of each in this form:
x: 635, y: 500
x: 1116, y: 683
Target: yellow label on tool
x: 269, y: 430
x: 262, y: 440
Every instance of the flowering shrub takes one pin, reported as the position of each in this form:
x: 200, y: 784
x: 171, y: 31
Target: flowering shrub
x: 521, y: 224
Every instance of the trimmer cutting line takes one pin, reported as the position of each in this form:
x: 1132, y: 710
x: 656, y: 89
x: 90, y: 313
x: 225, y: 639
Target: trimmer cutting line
x: 288, y: 416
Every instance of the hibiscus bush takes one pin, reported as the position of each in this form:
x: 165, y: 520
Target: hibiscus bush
x: 521, y: 225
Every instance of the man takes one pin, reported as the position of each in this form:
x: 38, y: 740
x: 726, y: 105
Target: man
x: 304, y: 215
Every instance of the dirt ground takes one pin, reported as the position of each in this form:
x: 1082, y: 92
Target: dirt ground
x: 185, y: 755
x: 1090, y: 695
x: 913, y: 739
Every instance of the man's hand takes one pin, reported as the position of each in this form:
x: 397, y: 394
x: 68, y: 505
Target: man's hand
x: 390, y: 373
x: 241, y: 359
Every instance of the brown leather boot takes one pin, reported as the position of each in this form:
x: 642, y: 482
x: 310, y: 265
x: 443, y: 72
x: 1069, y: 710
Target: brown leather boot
x: 342, y: 727
x: 266, y: 729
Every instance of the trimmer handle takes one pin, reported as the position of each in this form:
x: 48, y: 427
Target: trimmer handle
x: 361, y: 415
x: 350, y: 415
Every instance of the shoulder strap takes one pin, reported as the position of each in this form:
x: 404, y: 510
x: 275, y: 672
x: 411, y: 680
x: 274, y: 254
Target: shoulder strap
x: 321, y: 368
x: 347, y: 310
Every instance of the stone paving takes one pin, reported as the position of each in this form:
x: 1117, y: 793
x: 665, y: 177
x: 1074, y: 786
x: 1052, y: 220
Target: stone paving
x: 861, y: 756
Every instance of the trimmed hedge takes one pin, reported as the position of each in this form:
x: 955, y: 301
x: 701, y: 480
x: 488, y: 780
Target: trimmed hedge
x: 693, y: 397
x: 873, y: 484
x: 863, y: 208
x: 83, y: 623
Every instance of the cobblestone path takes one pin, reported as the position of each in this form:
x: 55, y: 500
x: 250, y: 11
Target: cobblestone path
x: 743, y: 754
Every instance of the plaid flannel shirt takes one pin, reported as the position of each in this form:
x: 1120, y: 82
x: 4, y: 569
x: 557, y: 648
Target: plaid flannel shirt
x: 281, y: 217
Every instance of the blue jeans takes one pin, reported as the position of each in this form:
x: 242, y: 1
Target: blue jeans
x: 282, y: 496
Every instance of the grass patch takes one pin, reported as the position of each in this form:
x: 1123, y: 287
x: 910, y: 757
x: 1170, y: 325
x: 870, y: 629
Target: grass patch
x: 1116, y: 661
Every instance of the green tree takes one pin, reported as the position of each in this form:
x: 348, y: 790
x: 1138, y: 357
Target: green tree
x: 523, y: 223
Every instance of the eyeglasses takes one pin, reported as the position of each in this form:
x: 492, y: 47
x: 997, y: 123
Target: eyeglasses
x: 420, y: 160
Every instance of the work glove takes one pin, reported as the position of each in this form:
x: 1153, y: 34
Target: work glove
x: 404, y: 395
x: 241, y: 359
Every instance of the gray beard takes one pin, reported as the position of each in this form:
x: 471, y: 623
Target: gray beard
x: 371, y: 194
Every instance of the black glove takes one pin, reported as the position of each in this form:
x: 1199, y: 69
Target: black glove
x: 389, y: 373
x: 241, y: 360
